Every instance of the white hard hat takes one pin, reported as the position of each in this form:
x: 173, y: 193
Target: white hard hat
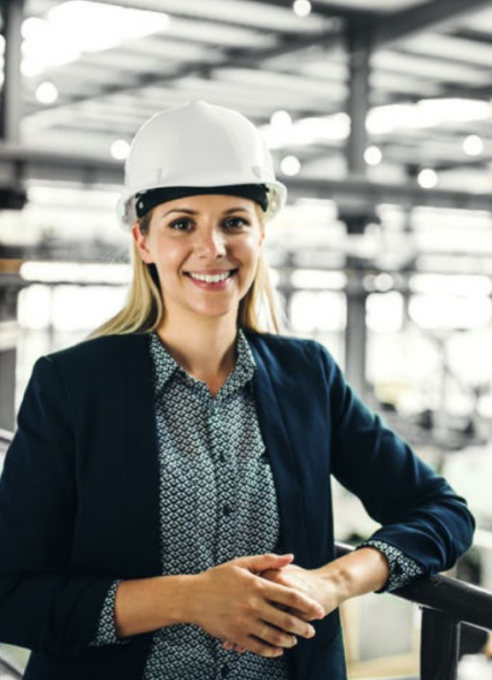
x: 198, y: 145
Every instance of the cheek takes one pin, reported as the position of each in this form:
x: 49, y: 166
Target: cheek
x: 166, y: 257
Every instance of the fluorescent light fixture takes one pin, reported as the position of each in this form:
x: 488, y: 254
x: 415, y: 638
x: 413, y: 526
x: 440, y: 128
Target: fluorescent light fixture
x: 318, y: 310
x: 450, y: 311
x: 302, y: 8
x: 290, y: 166
x: 426, y: 113
x: 473, y: 145
x: 308, y: 131
x: 46, y: 93
x: 373, y: 155
x: 318, y: 279
x: 72, y: 272
x: 79, y: 26
x: 385, y: 312
x: 120, y: 149
x: 442, y: 284
x: 427, y: 178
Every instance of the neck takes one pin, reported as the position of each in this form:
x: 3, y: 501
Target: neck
x: 205, y: 348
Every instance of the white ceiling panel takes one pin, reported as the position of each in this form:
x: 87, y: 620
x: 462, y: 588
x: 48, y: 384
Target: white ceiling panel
x: 451, y: 48
x: 374, y: 5
x: 429, y: 68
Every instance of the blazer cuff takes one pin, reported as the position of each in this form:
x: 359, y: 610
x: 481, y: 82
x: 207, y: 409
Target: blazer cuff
x: 106, y: 630
x: 403, y: 569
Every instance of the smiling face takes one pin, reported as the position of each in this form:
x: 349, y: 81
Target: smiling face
x: 205, y: 249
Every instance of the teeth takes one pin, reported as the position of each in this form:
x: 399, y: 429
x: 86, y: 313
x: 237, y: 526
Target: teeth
x: 209, y: 278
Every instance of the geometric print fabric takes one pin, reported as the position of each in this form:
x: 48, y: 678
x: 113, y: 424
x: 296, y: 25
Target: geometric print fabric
x: 217, y: 502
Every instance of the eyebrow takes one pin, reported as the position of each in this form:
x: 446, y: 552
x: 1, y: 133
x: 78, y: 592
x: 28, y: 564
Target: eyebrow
x: 196, y: 212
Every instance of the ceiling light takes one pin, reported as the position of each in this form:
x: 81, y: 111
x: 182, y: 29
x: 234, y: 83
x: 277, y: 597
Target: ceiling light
x: 46, y: 93
x: 290, y: 166
x: 373, y: 155
x: 427, y: 178
x: 281, y: 120
x: 473, y: 145
x: 75, y: 272
x: 425, y: 114
x: 79, y: 26
x: 120, y: 149
x: 302, y: 8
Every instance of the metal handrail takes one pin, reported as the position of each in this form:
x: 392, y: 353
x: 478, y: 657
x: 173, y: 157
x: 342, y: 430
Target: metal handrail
x: 446, y: 604
x: 5, y: 436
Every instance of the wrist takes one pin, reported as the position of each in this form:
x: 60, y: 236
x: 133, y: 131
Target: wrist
x: 192, y: 599
x: 335, y: 585
x: 188, y: 600
x: 363, y: 571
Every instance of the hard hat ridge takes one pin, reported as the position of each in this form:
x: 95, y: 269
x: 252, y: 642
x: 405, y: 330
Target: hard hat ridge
x: 198, y: 145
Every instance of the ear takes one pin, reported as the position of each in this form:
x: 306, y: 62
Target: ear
x: 141, y: 243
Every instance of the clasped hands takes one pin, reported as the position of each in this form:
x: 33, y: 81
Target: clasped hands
x: 261, y: 604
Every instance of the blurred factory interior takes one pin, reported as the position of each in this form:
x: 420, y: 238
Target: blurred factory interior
x: 379, y: 115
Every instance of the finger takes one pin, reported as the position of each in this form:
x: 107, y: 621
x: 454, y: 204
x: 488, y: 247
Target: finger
x: 260, y: 648
x: 251, y: 643
x: 273, y: 636
x: 293, y: 599
x: 259, y: 563
x: 290, y: 623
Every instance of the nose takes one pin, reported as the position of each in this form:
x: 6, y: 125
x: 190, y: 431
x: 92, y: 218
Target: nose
x: 211, y: 242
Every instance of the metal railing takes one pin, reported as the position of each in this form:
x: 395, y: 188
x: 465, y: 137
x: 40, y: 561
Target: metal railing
x: 446, y: 603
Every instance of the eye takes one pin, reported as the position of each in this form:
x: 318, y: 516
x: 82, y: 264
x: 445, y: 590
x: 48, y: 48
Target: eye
x: 183, y: 224
x: 235, y: 223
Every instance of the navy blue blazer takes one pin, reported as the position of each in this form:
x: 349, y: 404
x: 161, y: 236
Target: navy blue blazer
x: 79, y: 495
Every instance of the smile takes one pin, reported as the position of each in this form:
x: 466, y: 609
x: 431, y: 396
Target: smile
x: 210, y: 278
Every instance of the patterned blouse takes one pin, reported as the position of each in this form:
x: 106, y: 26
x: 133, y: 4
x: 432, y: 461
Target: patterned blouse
x: 217, y: 502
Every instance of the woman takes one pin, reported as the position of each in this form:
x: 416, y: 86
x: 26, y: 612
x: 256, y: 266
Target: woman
x: 165, y: 507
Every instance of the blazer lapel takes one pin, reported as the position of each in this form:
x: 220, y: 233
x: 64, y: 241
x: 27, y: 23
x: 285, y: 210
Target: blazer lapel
x: 283, y: 461
x: 141, y: 461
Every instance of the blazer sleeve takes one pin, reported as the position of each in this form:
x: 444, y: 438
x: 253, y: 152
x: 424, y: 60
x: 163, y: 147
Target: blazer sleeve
x: 420, y: 513
x: 43, y: 605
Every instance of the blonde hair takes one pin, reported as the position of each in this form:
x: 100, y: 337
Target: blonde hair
x: 144, y: 310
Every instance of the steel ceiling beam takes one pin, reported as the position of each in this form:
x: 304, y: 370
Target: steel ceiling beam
x: 423, y: 17
x: 361, y: 194
x: 42, y: 165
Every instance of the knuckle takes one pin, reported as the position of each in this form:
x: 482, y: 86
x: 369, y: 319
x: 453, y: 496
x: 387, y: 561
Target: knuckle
x: 278, y: 638
x: 290, y: 623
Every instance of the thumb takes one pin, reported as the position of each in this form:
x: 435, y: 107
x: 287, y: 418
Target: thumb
x: 259, y: 563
